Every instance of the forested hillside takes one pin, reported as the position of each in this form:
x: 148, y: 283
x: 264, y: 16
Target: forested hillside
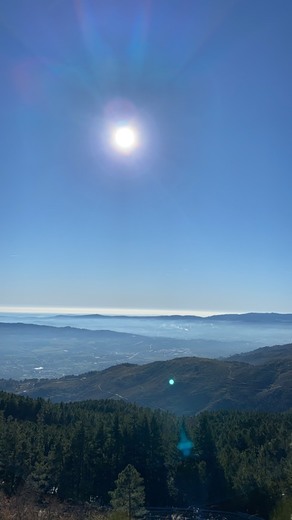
x: 233, y: 460
x: 264, y: 355
x: 199, y: 384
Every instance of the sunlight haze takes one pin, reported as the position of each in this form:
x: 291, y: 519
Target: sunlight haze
x: 191, y: 212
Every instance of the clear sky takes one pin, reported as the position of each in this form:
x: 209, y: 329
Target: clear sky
x: 198, y: 216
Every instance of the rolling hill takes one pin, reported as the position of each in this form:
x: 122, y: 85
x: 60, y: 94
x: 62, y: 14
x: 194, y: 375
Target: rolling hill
x: 199, y: 384
x: 264, y: 355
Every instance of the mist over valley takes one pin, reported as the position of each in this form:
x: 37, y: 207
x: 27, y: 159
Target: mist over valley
x: 50, y: 346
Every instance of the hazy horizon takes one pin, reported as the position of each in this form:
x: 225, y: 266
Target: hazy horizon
x: 121, y: 311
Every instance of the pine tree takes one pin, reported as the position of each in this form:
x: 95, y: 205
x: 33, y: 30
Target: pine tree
x: 129, y: 494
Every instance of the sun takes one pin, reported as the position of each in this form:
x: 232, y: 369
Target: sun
x: 125, y: 139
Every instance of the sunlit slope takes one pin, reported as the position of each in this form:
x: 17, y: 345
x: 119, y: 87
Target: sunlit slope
x: 199, y: 384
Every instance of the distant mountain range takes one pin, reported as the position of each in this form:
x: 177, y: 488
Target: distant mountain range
x: 262, y: 383
x: 251, y: 317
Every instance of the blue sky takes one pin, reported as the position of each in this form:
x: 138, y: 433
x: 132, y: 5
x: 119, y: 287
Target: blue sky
x: 198, y: 217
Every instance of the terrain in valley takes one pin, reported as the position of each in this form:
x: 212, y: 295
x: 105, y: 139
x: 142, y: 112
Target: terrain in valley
x: 48, y: 346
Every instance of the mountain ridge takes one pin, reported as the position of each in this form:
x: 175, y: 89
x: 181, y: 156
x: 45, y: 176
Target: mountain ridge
x: 264, y: 355
x: 199, y: 384
x: 250, y: 317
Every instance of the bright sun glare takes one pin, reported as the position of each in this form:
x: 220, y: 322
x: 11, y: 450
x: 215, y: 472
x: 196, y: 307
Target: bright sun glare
x: 125, y: 138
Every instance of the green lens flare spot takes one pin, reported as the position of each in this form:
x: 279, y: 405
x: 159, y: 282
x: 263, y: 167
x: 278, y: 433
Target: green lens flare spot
x: 171, y: 382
